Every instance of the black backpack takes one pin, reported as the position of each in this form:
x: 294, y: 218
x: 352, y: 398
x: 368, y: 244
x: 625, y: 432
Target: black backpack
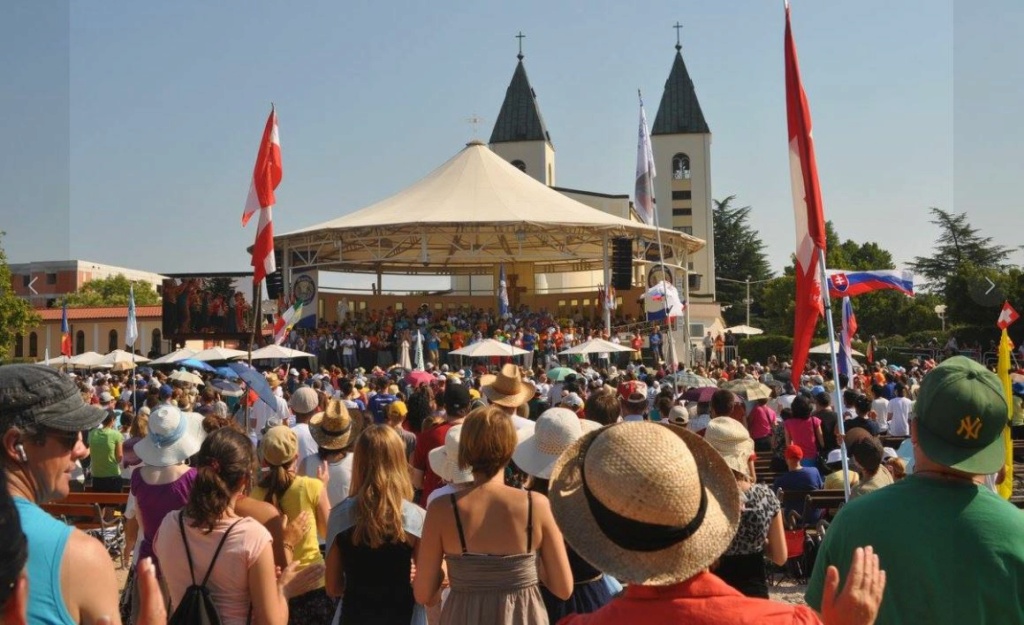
x: 196, y: 606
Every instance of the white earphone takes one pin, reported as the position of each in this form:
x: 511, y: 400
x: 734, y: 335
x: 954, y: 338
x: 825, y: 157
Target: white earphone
x: 22, y: 456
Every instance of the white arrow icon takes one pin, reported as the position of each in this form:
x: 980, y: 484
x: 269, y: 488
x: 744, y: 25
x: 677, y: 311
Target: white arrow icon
x: 30, y: 283
x: 992, y: 285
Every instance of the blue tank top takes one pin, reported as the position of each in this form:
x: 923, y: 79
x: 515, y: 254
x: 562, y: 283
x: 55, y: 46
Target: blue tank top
x: 47, y: 538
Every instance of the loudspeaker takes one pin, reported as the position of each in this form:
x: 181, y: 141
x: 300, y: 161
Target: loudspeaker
x: 622, y: 264
x: 275, y: 281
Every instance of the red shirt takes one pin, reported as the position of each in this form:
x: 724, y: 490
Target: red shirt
x: 425, y: 441
x: 701, y: 600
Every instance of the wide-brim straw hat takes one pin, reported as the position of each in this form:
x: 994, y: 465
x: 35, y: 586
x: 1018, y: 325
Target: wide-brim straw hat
x: 732, y: 441
x: 444, y: 460
x: 555, y: 430
x: 332, y: 428
x: 174, y: 437
x: 668, y: 504
x: 507, y: 388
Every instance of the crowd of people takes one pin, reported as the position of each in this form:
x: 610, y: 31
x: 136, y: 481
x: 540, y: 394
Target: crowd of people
x: 611, y: 494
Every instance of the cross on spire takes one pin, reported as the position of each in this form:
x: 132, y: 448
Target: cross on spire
x: 678, y: 27
x: 474, y: 121
x: 520, y: 37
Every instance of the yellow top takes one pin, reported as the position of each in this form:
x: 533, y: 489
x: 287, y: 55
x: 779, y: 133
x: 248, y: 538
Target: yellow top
x: 303, y: 494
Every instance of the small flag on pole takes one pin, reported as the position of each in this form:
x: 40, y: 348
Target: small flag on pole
x: 285, y: 321
x: 1007, y: 316
x: 131, y: 333
x: 502, y: 292
x: 265, y: 178
x: 65, y: 332
x: 810, y: 215
x: 643, y: 195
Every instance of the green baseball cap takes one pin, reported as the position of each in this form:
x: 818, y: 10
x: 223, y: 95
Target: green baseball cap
x: 961, y: 413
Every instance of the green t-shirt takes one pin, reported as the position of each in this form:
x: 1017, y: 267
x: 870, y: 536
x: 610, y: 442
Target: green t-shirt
x: 102, y: 446
x: 953, y: 552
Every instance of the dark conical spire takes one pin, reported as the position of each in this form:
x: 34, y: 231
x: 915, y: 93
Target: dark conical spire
x: 519, y: 118
x: 679, y: 111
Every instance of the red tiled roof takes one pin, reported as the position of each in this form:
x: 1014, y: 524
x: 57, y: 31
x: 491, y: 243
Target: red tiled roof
x: 107, y: 312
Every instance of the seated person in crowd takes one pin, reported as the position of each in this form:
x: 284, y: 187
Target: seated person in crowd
x: 866, y: 450
x: 797, y: 479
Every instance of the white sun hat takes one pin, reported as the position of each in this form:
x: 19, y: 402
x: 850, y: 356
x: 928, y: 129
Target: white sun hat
x: 174, y: 436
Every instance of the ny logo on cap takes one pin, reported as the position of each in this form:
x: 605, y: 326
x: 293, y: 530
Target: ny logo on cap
x: 970, y: 427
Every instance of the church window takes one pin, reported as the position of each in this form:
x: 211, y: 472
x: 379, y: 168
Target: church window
x: 684, y: 229
x: 19, y: 348
x: 80, y: 341
x: 156, y: 341
x: 682, y: 212
x: 681, y: 195
x: 681, y: 167
x: 520, y: 165
x: 33, y: 345
x: 112, y: 342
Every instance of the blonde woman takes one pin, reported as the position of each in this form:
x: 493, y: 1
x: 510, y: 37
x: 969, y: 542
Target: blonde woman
x: 294, y: 494
x: 491, y: 537
x: 373, y: 534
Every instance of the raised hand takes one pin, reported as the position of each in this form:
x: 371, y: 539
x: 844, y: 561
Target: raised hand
x: 861, y: 596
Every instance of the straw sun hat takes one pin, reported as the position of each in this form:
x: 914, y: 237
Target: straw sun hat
x: 730, y: 439
x: 507, y: 388
x: 332, y: 428
x: 556, y: 429
x: 174, y: 436
x: 647, y: 503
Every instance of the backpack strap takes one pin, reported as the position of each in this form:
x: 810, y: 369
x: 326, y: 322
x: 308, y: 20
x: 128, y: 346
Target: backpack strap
x: 217, y: 552
x: 188, y: 552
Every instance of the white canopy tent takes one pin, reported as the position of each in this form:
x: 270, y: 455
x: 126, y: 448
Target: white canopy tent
x: 595, y: 346
x: 278, y: 352
x: 471, y: 213
x: 825, y: 349
x: 56, y: 361
x: 88, y: 359
x: 488, y: 348
x: 121, y: 360
x: 218, y: 353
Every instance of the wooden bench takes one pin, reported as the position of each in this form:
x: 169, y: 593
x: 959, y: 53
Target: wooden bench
x: 97, y: 514
x: 104, y: 499
x: 824, y: 500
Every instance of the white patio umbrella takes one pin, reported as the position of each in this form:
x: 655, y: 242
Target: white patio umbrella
x: 219, y: 353
x: 596, y: 346
x: 489, y: 348
x: 824, y: 349
x: 745, y: 330
x: 121, y: 360
x: 186, y: 376
x: 87, y: 359
x: 56, y: 361
x: 175, y: 356
x: 277, y: 352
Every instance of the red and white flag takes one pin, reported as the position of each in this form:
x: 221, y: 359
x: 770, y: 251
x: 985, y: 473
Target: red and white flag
x: 1007, y: 316
x: 265, y: 178
x: 810, y: 215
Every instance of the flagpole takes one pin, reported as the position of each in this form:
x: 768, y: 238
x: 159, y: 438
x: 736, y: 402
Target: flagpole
x: 661, y: 251
x: 838, y: 397
x: 257, y: 326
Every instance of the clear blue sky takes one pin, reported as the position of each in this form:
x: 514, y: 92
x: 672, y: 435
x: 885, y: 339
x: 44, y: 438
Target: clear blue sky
x: 131, y: 127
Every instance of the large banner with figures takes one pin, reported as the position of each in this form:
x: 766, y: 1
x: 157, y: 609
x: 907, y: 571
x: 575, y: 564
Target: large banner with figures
x: 207, y: 306
x: 305, y: 288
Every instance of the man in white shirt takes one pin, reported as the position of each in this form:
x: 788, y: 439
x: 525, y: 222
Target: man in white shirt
x: 304, y: 404
x: 899, y: 413
x: 261, y: 412
x: 880, y: 406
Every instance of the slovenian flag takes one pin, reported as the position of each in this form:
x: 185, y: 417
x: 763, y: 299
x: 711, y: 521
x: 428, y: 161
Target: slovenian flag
x: 852, y: 283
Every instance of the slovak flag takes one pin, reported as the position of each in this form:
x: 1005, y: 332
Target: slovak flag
x: 810, y: 214
x: 265, y: 178
x: 65, y: 332
x: 852, y: 283
x: 662, y: 302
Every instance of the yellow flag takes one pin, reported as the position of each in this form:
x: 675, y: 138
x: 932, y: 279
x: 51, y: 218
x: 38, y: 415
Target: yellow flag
x: 1003, y: 369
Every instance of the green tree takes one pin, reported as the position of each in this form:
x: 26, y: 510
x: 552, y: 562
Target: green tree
x: 16, y: 315
x: 112, y: 291
x: 958, y: 245
x: 739, y: 254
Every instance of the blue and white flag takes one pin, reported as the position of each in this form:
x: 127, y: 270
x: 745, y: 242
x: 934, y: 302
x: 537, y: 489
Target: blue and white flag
x: 131, y: 333
x: 502, y: 292
x: 850, y: 283
x: 643, y: 194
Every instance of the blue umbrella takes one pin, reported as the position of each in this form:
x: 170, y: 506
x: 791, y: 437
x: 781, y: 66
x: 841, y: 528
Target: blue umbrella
x: 227, y: 373
x: 227, y: 389
x: 192, y: 363
x: 256, y: 382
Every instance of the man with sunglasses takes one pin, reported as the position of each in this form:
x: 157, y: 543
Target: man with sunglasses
x: 42, y: 415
